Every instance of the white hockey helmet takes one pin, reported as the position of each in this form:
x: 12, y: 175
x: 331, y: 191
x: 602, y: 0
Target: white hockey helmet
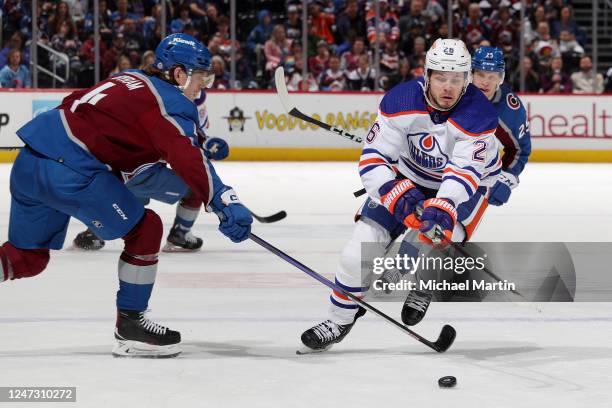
x: 450, y: 56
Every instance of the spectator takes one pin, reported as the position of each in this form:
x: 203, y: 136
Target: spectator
x: 434, y: 13
x: 504, y: 28
x: 321, y: 22
x: 297, y: 83
x: 209, y: 25
x: 545, y: 46
x: 244, y: 73
x: 566, y: 23
x: 151, y: 28
x: 87, y: 53
x: 349, y: 59
x: 333, y: 78
x: 402, y: 75
x: 474, y: 28
x: 293, y: 25
x: 225, y: 41
x: 389, y: 26
x: 123, y: 64
x: 148, y: 58
x: 571, y: 51
x: 67, y: 43
x: 555, y: 80
x: 532, y: 79
x: 105, y: 22
x: 62, y: 13
x: 364, y: 77
x: 197, y: 9
x: 419, y: 50
x: 412, y: 25
x: 134, y: 42
x: 276, y: 48
x: 121, y: 14
x: 318, y: 63
x: 261, y: 33
x: 111, y: 56
x: 177, y: 25
x: 14, y: 74
x: 586, y: 80
x: 15, y: 41
x: 351, y: 21
x: 389, y: 61
x: 222, y: 80
x: 608, y: 81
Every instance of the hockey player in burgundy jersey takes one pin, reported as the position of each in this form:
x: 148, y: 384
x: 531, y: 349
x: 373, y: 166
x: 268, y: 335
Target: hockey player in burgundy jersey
x: 74, y: 164
x: 432, y: 146
x: 160, y: 183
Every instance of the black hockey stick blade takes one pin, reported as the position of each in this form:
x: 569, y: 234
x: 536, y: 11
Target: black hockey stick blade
x: 359, y: 193
x: 446, y: 339
x: 270, y: 218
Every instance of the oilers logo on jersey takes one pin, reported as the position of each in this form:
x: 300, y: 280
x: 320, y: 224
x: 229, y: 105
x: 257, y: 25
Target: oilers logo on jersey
x: 425, y: 151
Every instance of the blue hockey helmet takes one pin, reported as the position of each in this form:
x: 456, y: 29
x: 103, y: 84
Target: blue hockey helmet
x: 182, y: 49
x: 489, y: 59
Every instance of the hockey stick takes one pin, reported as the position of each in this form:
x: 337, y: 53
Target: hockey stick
x: 447, y: 334
x: 283, y: 94
x: 270, y: 218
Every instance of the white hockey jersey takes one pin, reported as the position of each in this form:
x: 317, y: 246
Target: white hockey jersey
x: 453, y: 152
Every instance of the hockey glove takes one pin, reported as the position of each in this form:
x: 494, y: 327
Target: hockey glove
x: 500, y: 192
x: 235, y: 219
x: 400, y: 198
x: 437, y: 221
x: 216, y: 148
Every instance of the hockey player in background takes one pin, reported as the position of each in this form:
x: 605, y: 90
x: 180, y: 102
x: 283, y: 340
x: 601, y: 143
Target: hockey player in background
x: 432, y: 145
x: 158, y: 182
x: 513, y: 130
x: 72, y: 165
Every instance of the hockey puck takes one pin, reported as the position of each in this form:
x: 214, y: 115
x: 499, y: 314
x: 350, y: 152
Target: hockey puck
x: 447, y: 382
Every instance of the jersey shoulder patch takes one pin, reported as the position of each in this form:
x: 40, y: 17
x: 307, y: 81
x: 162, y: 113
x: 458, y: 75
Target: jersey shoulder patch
x: 474, y: 114
x: 404, y: 99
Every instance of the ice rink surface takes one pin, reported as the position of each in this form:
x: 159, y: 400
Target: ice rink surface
x: 241, y: 311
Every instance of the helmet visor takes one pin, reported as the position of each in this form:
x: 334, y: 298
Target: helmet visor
x: 204, y: 78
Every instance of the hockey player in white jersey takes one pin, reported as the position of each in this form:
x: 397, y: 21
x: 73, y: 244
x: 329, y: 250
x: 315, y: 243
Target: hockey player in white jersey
x: 432, y: 146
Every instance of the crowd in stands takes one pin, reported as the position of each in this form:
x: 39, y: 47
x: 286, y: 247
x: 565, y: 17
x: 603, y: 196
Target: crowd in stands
x: 340, y: 43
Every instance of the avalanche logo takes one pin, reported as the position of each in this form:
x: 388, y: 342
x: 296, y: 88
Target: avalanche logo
x: 425, y: 151
x: 513, y: 102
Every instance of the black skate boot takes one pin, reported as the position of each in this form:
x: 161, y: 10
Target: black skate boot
x: 325, y: 334
x: 180, y: 240
x: 415, y: 307
x: 138, y: 336
x: 88, y: 241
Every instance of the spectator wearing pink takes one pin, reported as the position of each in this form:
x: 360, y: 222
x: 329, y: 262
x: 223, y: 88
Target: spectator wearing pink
x: 321, y: 22
x: 554, y: 80
x: 333, y: 78
x: 276, y: 48
x: 349, y: 59
x: 388, y: 25
x: 585, y: 80
x: 319, y: 62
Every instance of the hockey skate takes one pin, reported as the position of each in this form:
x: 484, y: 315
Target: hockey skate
x: 138, y: 336
x: 88, y: 241
x: 415, y: 307
x: 325, y: 334
x: 180, y: 240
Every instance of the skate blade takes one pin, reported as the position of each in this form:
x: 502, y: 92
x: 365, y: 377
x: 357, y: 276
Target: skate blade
x: 169, y: 247
x: 304, y: 350
x: 136, y: 349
